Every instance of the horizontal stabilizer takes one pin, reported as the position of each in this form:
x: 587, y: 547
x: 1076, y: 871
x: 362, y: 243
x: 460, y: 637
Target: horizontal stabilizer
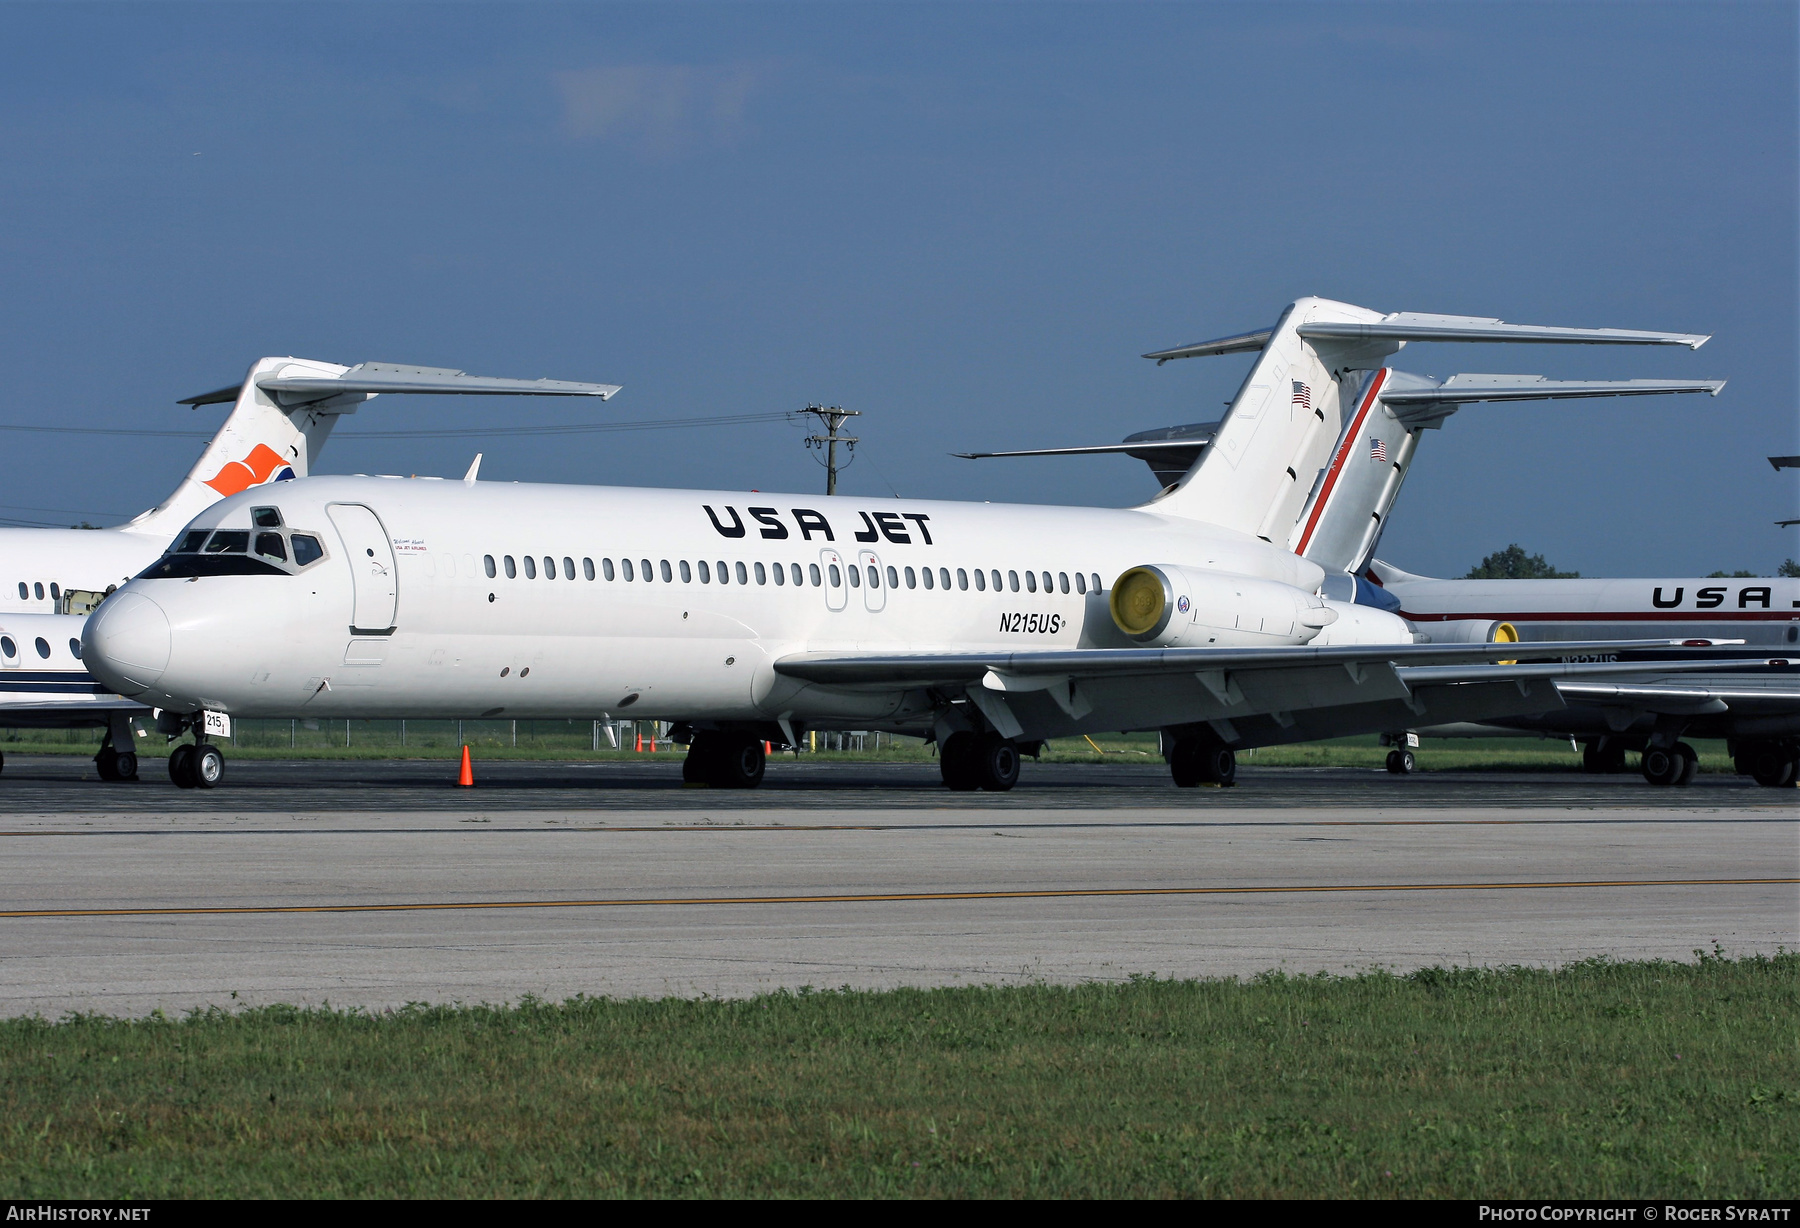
x: 1420, y: 402
x: 1241, y: 343
x: 1160, y: 445
x: 1418, y: 326
x: 377, y: 377
x: 1170, y: 451
x: 1785, y: 462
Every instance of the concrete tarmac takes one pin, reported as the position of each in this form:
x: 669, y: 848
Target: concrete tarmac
x: 374, y: 884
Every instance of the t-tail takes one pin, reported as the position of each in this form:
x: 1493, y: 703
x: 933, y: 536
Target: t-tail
x: 1320, y: 436
x: 285, y: 409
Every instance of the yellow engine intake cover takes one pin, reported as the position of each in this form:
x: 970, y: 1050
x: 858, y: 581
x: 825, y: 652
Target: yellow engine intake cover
x: 1140, y: 602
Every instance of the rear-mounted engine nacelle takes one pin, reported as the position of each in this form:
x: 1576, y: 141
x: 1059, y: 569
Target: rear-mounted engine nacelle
x: 1468, y: 631
x: 1169, y: 606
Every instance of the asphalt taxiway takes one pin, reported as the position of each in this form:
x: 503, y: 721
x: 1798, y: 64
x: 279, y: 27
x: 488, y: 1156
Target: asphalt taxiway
x: 377, y: 883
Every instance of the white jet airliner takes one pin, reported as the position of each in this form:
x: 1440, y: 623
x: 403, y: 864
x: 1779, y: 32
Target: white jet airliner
x: 749, y: 618
x: 281, y: 415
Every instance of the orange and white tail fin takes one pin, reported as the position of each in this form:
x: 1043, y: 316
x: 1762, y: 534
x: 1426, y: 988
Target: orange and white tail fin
x: 284, y: 411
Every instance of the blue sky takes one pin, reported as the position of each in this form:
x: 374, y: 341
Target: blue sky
x: 964, y: 220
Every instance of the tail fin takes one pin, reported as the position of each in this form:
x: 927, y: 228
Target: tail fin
x: 1348, y: 508
x: 1282, y: 423
x: 1317, y: 382
x: 283, y: 412
x: 261, y: 441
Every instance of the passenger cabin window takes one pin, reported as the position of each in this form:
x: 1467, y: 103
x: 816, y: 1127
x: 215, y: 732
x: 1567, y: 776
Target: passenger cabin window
x: 1097, y: 585
x: 43, y: 647
x: 270, y: 546
x: 512, y: 568
x: 705, y: 572
x: 266, y: 517
x: 813, y: 571
x: 855, y: 576
x: 1030, y: 582
x: 549, y: 568
x: 24, y: 591
x: 668, y: 575
x: 55, y: 593
x: 625, y: 569
x: 7, y: 647
x: 38, y: 588
x: 487, y: 564
x: 308, y: 551
x: 687, y: 573
x: 1080, y: 583
x: 606, y: 568
x: 587, y: 568
x: 874, y: 576
x: 911, y: 579
x: 1013, y: 576
x: 569, y: 568
x: 796, y: 574
x: 530, y: 568
x: 836, y: 579
x: 192, y: 541
x: 780, y: 574
x: 743, y: 575
x: 962, y: 580
x: 980, y: 580
x: 893, y: 577
x: 646, y: 571
x: 762, y: 574
x: 75, y: 649
x: 1047, y: 583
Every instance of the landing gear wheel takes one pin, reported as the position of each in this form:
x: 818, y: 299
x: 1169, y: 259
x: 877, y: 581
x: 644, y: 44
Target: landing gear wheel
x: 1663, y: 767
x: 1771, y: 765
x: 181, y: 766
x: 702, y: 758
x: 126, y: 765
x: 1690, y: 764
x: 106, y: 763
x: 956, y: 761
x: 738, y: 763
x: 996, y: 763
x: 1195, y: 762
x: 1402, y: 762
x: 207, y: 766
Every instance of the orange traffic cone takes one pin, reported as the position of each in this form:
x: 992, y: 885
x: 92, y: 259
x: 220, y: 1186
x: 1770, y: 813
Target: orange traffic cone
x: 466, y: 778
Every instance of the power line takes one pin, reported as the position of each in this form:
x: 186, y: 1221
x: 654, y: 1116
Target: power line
x: 474, y: 432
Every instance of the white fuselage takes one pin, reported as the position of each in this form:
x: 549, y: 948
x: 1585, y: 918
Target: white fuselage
x: 734, y: 581
x: 37, y: 566
x: 1761, y: 611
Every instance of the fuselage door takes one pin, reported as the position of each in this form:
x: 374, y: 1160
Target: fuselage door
x: 837, y: 595
x: 874, y: 591
x: 372, y: 570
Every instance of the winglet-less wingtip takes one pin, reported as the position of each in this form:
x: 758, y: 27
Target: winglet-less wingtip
x: 474, y: 468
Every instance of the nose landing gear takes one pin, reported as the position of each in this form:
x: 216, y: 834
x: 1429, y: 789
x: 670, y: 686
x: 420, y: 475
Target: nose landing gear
x: 198, y: 765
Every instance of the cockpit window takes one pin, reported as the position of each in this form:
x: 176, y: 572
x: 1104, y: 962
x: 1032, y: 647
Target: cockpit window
x: 307, y: 550
x: 228, y: 541
x: 269, y: 545
x: 266, y: 517
x: 191, y: 543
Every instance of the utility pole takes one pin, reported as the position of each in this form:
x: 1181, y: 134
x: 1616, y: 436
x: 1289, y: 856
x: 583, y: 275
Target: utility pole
x: 832, y: 418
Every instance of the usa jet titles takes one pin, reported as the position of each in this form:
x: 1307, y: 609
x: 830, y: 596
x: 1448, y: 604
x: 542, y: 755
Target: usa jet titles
x: 875, y: 526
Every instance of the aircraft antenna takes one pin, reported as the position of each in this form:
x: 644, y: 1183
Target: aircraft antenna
x: 832, y: 418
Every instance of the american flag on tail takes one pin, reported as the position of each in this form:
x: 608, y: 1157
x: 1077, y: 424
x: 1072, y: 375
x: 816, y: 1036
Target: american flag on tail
x: 1377, y: 450
x: 1302, y: 395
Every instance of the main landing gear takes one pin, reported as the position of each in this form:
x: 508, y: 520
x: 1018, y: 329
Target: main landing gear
x: 971, y: 761
x: 116, y: 764
x: 1197, y: 761
x: 724, y: 760
x: 1773, y: 765
x: 196, y: 765
x: 1670, y: 767
x: 1603, y: 757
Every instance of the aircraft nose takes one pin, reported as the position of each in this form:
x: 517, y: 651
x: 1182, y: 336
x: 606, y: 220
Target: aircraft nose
x: 126, y: 643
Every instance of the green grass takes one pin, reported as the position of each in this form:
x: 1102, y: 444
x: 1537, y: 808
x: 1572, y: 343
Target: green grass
x: 573, y: 740
x: 1598, y: 1080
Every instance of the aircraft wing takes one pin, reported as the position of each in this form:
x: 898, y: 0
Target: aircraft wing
x: 1703, y: 698
x: 1249, y: 696
x: 924, y: 669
